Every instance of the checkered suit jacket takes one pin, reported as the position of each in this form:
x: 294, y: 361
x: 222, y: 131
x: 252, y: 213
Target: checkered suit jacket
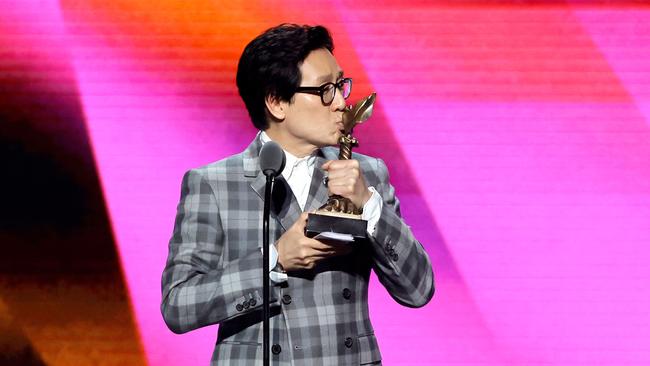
x: 318, y: 317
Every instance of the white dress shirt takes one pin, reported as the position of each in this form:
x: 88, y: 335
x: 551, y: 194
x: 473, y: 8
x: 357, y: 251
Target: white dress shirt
x: 298, y: 173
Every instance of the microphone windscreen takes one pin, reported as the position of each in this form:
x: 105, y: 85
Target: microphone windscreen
x: 272, y: 159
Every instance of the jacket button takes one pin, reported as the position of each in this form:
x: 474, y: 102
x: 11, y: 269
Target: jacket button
x: 347, y: 294
x: 286, y: 299
x: 348, y: 342
x: 252, y: 302
x: 276, y: 349
x: 395, y: 257
x: 239, y: 307
x: 246, y: 305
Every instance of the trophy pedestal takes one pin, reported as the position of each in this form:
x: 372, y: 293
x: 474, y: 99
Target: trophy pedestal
x: 336, y: 222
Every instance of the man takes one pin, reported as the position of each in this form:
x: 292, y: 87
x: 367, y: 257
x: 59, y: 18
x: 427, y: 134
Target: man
x: 295, y: 93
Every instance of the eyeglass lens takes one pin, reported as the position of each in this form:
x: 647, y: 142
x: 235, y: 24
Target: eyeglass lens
x: 330, y: 91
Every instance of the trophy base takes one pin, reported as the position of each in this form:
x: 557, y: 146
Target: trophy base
x: 336, y: 222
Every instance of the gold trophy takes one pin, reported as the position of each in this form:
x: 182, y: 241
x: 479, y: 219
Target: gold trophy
x: 339, y: 218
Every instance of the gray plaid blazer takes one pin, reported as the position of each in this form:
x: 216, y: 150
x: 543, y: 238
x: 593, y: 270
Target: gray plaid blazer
x: 318, y: 317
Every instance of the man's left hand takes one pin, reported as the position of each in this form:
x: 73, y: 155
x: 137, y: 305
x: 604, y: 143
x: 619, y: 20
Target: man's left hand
x: 345, y: 179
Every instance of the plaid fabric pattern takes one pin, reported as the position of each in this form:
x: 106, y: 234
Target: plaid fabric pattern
x: 318, y: 317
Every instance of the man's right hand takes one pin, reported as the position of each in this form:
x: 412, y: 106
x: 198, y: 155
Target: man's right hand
x: 296, y: 251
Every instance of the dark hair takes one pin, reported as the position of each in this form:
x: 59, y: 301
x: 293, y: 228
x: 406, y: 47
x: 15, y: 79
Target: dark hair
x: 269, y: 65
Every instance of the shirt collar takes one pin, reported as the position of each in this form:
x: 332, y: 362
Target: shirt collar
x: 291, y: 160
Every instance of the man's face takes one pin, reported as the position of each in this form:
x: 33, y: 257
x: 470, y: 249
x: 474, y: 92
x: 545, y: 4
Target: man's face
x: 308, y: 122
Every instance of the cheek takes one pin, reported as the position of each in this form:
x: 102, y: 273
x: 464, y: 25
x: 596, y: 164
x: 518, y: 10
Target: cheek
x: 312, y: 119
x: 317, y: 120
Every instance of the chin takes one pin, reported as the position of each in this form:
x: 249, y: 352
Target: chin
x: 326, y: 142
x: 331, y: 140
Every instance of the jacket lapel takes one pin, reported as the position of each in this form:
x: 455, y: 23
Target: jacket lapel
x: 251, y: 160
x: 284, y: 206
x: 318, y: 193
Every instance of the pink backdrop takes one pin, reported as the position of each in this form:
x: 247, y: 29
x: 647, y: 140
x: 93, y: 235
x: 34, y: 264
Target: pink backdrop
x: 517, y: 135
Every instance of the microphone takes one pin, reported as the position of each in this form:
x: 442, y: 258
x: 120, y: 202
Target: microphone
x: 272, y: 159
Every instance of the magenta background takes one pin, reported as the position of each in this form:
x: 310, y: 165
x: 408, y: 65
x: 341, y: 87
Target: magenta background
x: 517, y: 136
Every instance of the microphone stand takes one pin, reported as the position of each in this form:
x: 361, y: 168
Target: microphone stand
x: 272, y: 160
x: 265, y: 268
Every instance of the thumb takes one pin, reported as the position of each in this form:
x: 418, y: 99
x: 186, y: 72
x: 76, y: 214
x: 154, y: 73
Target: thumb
x: 301, y: 222
x: 327, y: 165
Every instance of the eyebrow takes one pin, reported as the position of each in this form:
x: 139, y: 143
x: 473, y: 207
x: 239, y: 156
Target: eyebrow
x: 326, y: 78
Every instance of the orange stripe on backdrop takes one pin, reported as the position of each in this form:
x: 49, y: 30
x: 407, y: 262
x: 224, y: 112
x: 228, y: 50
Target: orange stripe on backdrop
x: 15, y: 346
x: 205, y: 36
x: 194, y: 44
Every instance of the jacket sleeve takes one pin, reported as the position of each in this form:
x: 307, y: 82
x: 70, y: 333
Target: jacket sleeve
x: 197, y: 288
x: 399, y: 260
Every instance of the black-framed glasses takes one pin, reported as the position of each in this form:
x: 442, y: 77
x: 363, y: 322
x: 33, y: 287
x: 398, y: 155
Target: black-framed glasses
x: 327, y: 91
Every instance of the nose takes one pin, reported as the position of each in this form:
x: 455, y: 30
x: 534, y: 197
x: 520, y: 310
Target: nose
x: 338, y: 104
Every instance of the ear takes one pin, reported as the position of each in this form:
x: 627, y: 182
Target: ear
x: 276, y: 107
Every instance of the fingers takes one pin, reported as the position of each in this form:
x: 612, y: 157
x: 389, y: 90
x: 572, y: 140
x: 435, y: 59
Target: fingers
x: 308, y: 252
x: 334, y: 165
x: 312, y: 257
x: 322, y: 250
x: 343, y: 187
x: 320, y: 246
x: 335, y: 248
x: 346, y: 179
x: 342, y: 172
x: 296, y: 251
